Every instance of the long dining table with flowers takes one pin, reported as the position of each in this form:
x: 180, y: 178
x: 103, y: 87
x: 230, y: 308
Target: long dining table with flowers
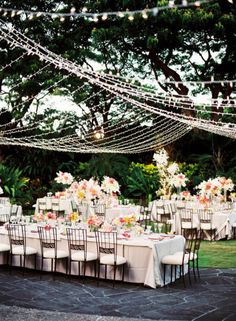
x: 143, y: 251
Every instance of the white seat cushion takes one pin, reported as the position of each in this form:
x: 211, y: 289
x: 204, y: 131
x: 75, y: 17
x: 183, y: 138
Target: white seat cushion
x: 174, y: 259
x: 19, y: 250
x: 192, y: 256
x: 207, y: 226
x: 50, y: 254
x: 109, y: 259
x: 188, y: 225
x: 79, y: 256
x: 4, y: 247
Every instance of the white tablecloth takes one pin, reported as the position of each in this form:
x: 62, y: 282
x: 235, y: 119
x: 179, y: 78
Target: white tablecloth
x: 143, y: 256
x: 6, y: 209
x: 221, y: 220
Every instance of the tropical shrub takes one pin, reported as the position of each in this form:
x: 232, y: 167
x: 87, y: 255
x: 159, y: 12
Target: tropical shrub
x: 14, y: 184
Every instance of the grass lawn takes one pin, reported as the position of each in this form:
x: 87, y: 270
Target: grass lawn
x: 220, y: 254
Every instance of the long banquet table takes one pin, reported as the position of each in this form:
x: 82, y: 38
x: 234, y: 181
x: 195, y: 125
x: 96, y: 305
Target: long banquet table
x: 143, y: 255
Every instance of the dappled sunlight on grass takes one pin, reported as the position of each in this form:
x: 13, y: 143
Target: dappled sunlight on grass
x: 220, y: 254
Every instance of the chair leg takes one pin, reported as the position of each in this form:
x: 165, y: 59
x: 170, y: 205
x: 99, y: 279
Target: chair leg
x: 171, y: 271
x: 194, y: 272
x: 123, y: 272
x: 183, y: 276
x: 98, y: 279
x: 24, y: 265
x: 41, y: 268
x: 35, y: 262
x: 115, y: 267
x: 198, y: 272
x: 164, y: 274
x: 189, y: 276
x: 95, y: 269
x: 84, y: 269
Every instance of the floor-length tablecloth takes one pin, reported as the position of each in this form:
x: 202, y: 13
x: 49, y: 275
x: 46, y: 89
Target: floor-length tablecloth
x: 143, y: 256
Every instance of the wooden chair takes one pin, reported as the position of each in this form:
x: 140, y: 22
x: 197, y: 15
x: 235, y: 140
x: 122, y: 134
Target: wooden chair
x: 77, y: 244
x: 18, y: 247
x: 49, y: 250
x: 100, y: 210
x: 107, y: 253
x: 206, y: 224
x: 180, y: 259
x: 186, y: 221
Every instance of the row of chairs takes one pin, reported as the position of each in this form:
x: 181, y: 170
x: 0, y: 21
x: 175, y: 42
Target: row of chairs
x: 106, y: 254
x: 181, y: 261
x: 54, y: 206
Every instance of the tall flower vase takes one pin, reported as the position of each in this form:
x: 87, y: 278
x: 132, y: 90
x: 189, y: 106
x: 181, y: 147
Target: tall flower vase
x: 225, y: 195
x: 178, y: 192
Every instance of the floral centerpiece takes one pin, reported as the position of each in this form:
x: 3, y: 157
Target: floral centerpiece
x: 88, y: 190
x: 72, y: 217
x: 178, y: 181
x: 64, y: 178
x: 38, y: 217
x: 125, y: 222
x: 169, y: 174
x: 215, y: 187
x: 110, y: 186
x: 226, y: 185
x: 94, y: 222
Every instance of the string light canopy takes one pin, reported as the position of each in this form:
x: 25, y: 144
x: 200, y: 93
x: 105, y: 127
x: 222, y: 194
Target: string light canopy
x: 153, y: 126
x: 145, y: 13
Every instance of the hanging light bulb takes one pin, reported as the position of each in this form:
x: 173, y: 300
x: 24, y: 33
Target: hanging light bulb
x: 144, y: 14
x: 72, y: 10
x: 31, y: 16
x: 5, y: 13
x: 19, y: 12
x: 84, y: 9
x: 39, y: 14
x: 131, y: 17
x: 184, y: 3
x: 95, y: 18
x: 171, y: 3
x: 120, y: 14
x: 62, y: 19
x: 104, y: 16
x: 197, y: 3
x: 13, y: 13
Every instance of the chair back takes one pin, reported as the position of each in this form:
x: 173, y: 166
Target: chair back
x: 77, y: 240
x: 163, y: 211
x: 190, y: 242
x: 42, y: 205
x: 100, y: 210
x: 14, y: 210
x: 17, y: 235
x: 55, y: 205
x: 106, y: 243
x: 48, y: 238
x: 205, y: 215
x: 4, y: 200
x: 4, y: 218
x: 186, y: 215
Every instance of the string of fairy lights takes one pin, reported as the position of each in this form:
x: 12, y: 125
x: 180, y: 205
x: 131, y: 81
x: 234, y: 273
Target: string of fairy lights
x: 85, y: 13
x: 166, y: 126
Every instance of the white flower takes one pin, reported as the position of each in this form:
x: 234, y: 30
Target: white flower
x: 179, y: 180
x: 1, y: 190
x: 161, y: 157
x: 64, y: 178
x: 173, y: 168
x: 110, y: 185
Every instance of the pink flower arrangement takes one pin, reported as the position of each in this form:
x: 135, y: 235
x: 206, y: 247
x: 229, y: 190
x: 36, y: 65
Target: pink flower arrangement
x: 47, y: 227
x: 94, y: 221
x: 38, y: 217
x: 51, y: 216
x: 64, y: 178
x: 179, y: 180
x: 110, y: 186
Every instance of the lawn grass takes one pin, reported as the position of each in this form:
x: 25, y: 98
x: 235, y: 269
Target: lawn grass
x: 219, y: 254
